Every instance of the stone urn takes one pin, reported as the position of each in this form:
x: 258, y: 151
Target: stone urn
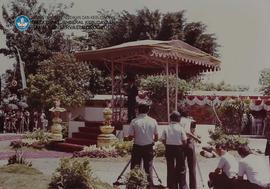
x: 106, y: 138
x: 56, y: 128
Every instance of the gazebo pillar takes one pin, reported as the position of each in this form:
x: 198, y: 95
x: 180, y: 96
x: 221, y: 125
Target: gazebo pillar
x: 176, y: 87
x: 168, y: 92
x: 113, y: 83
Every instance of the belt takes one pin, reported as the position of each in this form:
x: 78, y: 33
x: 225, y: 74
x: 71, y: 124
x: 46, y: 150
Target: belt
x: 148, y: 145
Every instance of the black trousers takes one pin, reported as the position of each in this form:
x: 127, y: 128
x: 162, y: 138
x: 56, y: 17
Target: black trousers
x: 176, y: 169
x: 131, y: 112
x: 221, y: 181
x: 145, y: 154
x: 190, y: 156
x: 246, y: 185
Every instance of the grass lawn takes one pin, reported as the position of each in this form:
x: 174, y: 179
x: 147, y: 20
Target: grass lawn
x: 18, y: 176
x: 22, y: 177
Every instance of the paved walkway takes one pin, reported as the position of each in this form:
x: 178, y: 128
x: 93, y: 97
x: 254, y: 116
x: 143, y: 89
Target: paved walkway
x: 11, y: 136
x: 106, y: 169
x: 37, y: 154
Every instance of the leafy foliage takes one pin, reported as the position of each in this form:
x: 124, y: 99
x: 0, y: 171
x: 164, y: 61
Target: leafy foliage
x: 145, y: 24
x: 231, y: 115
x: 222, y: 86
x: 18, y: 158
x: 38, y: 42
x: 157, y: 86
x: 37, y: 139
x: 123, y: 147
x: 264, y: 81
x: 159, y: 148
x: 64, y: 78
x: 136, y: 179
x: 93, y: 151
x: 39, y: 135
x: 73, y: 173
x: 232, y: 142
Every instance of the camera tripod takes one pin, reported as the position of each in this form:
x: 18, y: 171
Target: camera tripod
x: 118, y: 183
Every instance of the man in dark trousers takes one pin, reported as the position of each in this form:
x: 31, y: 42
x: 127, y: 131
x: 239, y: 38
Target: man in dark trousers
x: 226, y: 172
x: 191, y: 157
x: 132, y: 92
x: 174, y: 138
x: 143, y: 129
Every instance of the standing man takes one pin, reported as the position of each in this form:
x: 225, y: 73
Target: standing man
x: 143, y: 129
x: 132, y: 92
x: 226, y: 171
x: 255, y: 169
x: 189, y: 126
x: 174, y: 139
x: 190, y: 155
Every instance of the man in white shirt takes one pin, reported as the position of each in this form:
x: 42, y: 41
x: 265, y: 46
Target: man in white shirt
x: 226, y: 171
x: 189, y: 126
x: 255, y: 169
x: 174, y: 137
x: 143, y: 129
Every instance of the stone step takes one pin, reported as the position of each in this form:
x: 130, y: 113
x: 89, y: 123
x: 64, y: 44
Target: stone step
x: 89, y: 130
x: 81, y: 141
x: 67, y: 147
x: 85, y: 135
x: 93, y: 123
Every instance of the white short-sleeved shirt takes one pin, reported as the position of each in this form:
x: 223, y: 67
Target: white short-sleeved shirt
x: 174, y: 134
x: 229, y: 165
x: 256, y: 170
x: 143, y: 128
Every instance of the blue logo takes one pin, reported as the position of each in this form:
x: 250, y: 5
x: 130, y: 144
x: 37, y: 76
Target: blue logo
x: 22, y: 22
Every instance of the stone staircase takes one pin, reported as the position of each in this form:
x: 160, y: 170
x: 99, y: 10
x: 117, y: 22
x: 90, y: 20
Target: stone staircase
x: 86, y: 136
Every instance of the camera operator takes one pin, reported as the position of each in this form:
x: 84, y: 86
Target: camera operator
x: 143, y: 129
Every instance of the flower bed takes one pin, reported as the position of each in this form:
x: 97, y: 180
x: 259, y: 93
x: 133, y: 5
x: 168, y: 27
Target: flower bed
x: 118, y: 149
x: 93, y: 151
x: 37, y: 139
x: 232, y: 142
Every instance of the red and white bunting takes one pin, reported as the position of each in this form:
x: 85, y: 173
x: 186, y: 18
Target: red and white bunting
x: 257, y: 103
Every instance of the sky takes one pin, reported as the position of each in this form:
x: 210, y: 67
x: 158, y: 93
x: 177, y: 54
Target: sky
x: 242, y: 28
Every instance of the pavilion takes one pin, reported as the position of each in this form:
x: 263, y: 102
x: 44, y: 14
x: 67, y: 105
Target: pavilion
x: 150, y: 57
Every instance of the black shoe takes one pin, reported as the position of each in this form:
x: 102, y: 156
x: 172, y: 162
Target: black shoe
x: 210, y: 184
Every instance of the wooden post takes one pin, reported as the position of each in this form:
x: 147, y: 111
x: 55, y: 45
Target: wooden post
x: 121, y: 96
x: 112, y: 75
x: 176, y: 87
x: 168, y: 92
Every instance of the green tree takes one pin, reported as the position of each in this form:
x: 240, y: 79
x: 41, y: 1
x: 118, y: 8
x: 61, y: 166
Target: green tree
x: 231, y: 115
x: 39, y: 41
x: 64, y: 78
x: 264, y: 81
x: 145, y: 24
x: 221, y: 86
x: 157, y: 87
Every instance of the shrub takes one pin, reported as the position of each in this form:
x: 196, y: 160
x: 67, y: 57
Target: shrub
x: 39, y: 135
x: 93, y: 151
x: 73, y: 173
x: 159, y: 149
x: 18, y: 158
x: 157, y: 86
x: 231, y: 114
x: 123, y: 147
x: 136, y: 179
x: 218, y: 136
x: 65, y: 129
